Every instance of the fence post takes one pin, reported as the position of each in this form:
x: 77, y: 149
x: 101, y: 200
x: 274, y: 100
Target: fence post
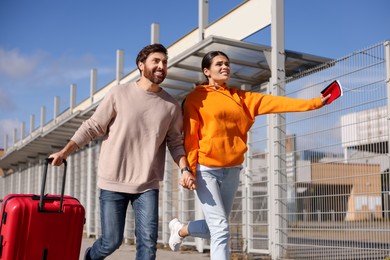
x: 387, y: 58
x: 386, y: 197
x: 276, y: 132
x: 167, y: 197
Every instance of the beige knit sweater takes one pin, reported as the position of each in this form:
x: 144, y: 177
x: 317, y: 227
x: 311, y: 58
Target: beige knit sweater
x: 136, y: 126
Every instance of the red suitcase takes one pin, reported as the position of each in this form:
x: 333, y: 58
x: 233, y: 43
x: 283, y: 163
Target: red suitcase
x: 41, y: 226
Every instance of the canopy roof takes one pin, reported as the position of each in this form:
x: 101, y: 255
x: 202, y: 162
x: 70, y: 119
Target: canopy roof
x: 250, y: 66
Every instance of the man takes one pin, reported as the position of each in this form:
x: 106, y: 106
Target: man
x: 136, y: 121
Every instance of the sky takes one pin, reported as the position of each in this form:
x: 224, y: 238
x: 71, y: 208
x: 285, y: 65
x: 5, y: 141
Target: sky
x: 46, y: 45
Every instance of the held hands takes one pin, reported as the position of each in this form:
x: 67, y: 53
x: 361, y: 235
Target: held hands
x: 188, y: 180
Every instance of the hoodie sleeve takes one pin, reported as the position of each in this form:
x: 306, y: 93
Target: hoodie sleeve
x: 259, y: 104
x: 191, y: 136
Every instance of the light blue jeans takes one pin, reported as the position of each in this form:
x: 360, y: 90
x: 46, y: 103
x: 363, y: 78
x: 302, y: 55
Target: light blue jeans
x: 113, y: 207
x: 216, y: 191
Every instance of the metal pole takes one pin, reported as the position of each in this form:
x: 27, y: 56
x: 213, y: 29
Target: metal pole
x: 247, y: 208
x: 277, y: 177
x: 43, y: 117
x: 56, y: 108
x: 155, y: 33
x: 32, y: 123
x: 119, y: 65
x: 72, y: 99
x: 92, y: 84
x: 387, y: 58
x: 203, y: 18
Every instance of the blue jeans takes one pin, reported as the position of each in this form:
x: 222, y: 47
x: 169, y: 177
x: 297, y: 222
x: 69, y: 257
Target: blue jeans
x: 216, y: 191
x: 113, y: 207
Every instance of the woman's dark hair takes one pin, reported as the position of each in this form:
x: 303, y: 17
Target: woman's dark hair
x: 207, y: 60
x: 147, y: 50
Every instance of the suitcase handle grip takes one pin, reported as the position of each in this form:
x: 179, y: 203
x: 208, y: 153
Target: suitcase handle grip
x: 47, y: 161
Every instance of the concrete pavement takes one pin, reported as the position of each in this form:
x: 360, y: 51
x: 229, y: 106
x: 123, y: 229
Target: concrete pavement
x: 127, y: 252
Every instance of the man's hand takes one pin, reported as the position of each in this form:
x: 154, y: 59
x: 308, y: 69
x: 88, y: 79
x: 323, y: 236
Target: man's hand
x: 58, y: 159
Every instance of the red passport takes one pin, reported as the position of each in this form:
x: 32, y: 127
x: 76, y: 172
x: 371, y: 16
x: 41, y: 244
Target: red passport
x: 334, y: 89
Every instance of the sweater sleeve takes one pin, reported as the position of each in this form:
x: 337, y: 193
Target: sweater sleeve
x: 97, y: 125
x: 175, y: 135
x: 259, y: 104
x: 191, y: 134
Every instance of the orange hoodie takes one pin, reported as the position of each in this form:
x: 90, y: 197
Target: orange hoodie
x: 216, y: 122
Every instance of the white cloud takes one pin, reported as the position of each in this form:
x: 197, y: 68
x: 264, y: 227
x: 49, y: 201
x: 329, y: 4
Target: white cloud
x: 15, y: 65
x: 64, y: 70
x: 6, y: 104
x: 41, y: 70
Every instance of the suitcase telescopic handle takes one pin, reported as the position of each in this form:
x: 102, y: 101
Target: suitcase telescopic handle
x: 47, y: 161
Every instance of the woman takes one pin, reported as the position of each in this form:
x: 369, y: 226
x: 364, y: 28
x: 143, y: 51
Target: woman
x: 216, y: 122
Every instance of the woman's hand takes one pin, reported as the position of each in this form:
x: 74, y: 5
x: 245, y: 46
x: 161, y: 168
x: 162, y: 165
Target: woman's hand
x: 324, y: 99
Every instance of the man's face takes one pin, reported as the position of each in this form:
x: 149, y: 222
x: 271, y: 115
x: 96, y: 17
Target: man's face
x: 155, y: 67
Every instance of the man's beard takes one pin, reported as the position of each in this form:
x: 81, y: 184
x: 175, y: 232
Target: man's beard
x: 150, y: 76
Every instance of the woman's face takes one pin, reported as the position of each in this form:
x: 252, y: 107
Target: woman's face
x: 219, y: 71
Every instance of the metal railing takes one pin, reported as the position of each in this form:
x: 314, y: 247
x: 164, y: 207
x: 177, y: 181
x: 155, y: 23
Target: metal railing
x: 335, y: 202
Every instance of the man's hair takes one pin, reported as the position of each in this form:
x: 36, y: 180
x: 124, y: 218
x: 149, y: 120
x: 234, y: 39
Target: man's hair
x: 149, y: 49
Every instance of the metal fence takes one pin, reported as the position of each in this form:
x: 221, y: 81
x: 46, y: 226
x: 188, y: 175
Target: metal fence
x: 330, y: 192
x: 318, y: 191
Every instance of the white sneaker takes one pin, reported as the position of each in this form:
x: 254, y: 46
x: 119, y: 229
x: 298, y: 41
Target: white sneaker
x: 175, y: 239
